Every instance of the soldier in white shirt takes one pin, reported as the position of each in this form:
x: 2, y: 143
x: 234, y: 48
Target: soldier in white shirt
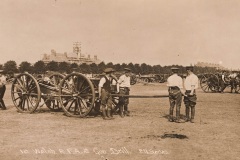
x: 123, y: 87
x: 3, y: 82
x: 175, y: 89
x: 190, y: 84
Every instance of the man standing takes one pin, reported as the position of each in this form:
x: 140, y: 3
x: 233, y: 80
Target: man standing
x: 175, y: 89
x: 2, y: 89
x: 223, y: 83
x: 104, y: 90
x: 123, y: 87
x: 191, y: 84
x: 233, y: 77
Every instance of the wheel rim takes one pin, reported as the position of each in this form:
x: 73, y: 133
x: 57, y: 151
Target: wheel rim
x: 76, y: 95
x: 25, y: 93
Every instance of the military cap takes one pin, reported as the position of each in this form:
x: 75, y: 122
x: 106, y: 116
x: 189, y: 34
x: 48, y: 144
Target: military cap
x: 108, y: 70
x: 127, y: 69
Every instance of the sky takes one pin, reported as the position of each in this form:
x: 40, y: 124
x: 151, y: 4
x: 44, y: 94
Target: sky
x: 155, y: 32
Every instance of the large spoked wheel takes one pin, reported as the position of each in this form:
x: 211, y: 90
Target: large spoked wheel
x: 25, y: 93
x: 53, y: 103
x: 115, y: 99
x: 209, y: 83
x: 76, y: 95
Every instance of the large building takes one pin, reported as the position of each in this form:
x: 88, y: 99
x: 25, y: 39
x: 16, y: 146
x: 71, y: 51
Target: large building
x: 69, y: 57
x: 214, y: 65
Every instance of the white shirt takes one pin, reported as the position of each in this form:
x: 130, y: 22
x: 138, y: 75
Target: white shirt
x: 102, y: 81
x: 124, y: 81
x: 191, y: 80
x: 175, y: 80
x: 233, y: 75
x: 3, y: 80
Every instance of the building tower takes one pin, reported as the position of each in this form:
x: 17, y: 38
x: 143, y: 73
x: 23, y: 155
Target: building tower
x: 77, y: 49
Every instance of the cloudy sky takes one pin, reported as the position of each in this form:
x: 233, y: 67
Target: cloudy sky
x: 161, y: 32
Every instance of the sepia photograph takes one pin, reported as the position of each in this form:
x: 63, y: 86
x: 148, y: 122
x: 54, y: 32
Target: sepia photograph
x: 119, y: 79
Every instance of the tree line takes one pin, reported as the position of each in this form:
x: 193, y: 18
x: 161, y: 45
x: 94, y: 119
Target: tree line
x: 63, y: 67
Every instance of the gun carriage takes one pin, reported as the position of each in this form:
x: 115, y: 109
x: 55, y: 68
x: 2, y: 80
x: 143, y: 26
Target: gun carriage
x: 212, y: 82
x: 151, y: 78
x: 74, y: 93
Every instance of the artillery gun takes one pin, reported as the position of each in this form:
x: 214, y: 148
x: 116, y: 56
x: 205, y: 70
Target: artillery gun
x: 211, y: 83
x: 74, y: 93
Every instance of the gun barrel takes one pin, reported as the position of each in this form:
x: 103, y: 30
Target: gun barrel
x: 140, y: 96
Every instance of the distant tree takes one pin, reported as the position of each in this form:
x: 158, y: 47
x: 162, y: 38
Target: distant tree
x: 157, y: 69
x: 144, y: 68
x: 64, y: 67
x: 84, y: 68
x: 124, y: 65
x: 52, y: 66
x: 118, y: 67
x: 150, y: 69
x: 1, y: 66
x: 110, y: 65
x: 137, y: 69
x: 101, y: 67
x: 131, y: 66
x: 25, y: 67
x: 39, y: 67
x: 94, y: 68
x: 10, y: 66
x: 74, y: 67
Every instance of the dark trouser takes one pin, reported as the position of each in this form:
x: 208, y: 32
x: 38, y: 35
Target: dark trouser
x: 233, y: 84
x: 124, y: 101
x: 2, y: 92
x: 106, y: 103
x: 175, y: 98
x: 223, y: 85
x: 190, y: 102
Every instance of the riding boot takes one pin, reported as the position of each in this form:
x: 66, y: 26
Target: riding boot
x: 104, y: 114
x: 126, y: 112
x: 121, y: 111
x: 115, y: 109
x: 187, y: 114
x: 3, y: 104
x: 178, y: 115
x: 109, y: 114
x: 170, y: 119
x: 192, y: 114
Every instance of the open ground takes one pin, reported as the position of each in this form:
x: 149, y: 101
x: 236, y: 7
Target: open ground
x: 145, y: 135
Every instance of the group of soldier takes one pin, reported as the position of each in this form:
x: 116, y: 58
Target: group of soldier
x: 228, y: 79
x: 178, y: 88
x: 123, y: 88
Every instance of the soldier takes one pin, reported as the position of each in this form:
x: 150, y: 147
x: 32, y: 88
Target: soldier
x: 175, y: 89
x: 223, y: 83
x: 123, y: 87
x: 233, y: 77
x: 191, y: 84
x: 2, y: 90
x: 104, y: 90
